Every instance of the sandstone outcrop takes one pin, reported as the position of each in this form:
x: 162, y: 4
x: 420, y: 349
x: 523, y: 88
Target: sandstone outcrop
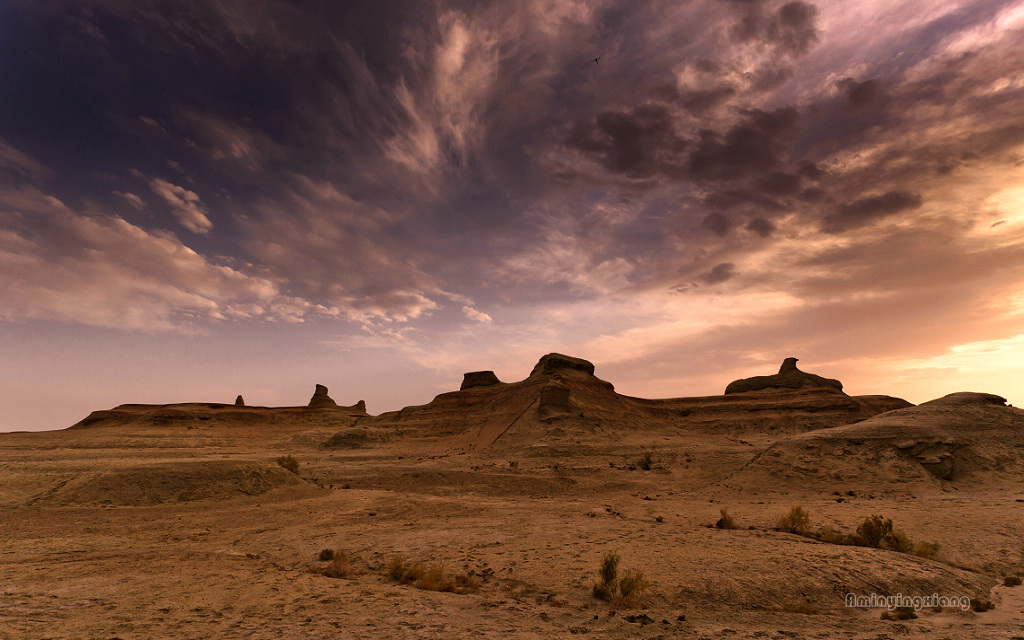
x: 478, y: 379
x: 555, y: 362
x: 788, y: 378
x: 321, y: 400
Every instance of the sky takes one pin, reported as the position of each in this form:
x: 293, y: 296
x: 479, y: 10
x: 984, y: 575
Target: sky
x: 205, y: 199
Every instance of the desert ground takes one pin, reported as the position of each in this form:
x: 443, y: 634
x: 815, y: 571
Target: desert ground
x: 182, y: 521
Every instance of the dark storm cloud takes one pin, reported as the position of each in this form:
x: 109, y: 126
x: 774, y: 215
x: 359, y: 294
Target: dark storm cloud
x: 753, y: 146
x: 860, y: 94
x: 640, y: 143
x: 761, y: 227
x: 717, y: 223
x: 720, y: 273
x: 866, y: 210
x: 791, y: 28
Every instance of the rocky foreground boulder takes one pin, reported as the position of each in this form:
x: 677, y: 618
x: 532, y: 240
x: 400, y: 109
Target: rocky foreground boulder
x: 788, y: 378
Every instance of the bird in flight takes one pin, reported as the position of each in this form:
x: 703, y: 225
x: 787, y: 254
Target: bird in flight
x: 597, y: 60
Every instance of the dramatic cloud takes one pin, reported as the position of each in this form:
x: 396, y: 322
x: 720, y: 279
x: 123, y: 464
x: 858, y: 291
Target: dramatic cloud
x: 732, y: 179
x: 866, y: 210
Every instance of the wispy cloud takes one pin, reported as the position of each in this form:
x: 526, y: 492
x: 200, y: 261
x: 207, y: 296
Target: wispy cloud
x: 186, y: 205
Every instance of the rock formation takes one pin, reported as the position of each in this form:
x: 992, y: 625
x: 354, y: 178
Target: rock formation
x: 239, y: 402
x: 478, y: 379
x: 554, y: 400
x: 554, y: 362
x: 788, y: 378
x: 321, y: 400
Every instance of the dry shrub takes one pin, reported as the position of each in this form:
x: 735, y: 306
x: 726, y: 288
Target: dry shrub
x: 980, y: 605
x: 900, y: 613
x: 627, y: 592
x: 327, y: 555
x: 609, y: 568
x: 1012, y: 581
x: 404, y: 572
x: 289, y: 463
x: 873, y: 531
x: 926, y: 549
x: 435, y: 580
x: 632, y: 589
x: 726, y: 521
x: 339, y: 566
x: 795, y: 521
x: 900, y: 542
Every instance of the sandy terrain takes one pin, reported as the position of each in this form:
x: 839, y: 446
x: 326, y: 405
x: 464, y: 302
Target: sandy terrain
x: 177, y: 522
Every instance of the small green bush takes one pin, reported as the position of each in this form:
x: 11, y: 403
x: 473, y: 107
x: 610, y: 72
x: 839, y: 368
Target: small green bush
x: 327, y: 555
x: 289, y: 463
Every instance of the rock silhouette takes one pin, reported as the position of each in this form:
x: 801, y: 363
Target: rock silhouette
x: 239, y: 402
x: 788, y: 377
x: 321, y: 400
x: 478, y: 379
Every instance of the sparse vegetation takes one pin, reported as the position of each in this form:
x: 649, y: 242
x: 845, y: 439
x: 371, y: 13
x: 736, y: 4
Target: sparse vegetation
x: 645, y: 462
x: 874, y: 531
x: 433, y: 579
x: 980, y: 605
x: 659, y: 519
x: 289, y: 463
x: 900, y: 613
x: 726, y: 521
x: 339, y: 566
x: 327, y: 555
x: 797, y: 521
x: 1012, y: 581
x: 627, y: 592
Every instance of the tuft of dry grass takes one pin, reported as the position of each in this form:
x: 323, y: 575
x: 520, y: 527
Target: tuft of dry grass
x: 796, y: 520
x: 627, y: 592
x: 632, y: 590
x: 339, y: 566
x: 433, y: 579
x: 726, y: 521
x: 289, y: 463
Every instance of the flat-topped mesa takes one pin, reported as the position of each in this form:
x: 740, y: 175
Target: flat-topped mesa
x: 788, y: 378
x: 555, y: 362
x: 321, y: 400
x: 478, y: 379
